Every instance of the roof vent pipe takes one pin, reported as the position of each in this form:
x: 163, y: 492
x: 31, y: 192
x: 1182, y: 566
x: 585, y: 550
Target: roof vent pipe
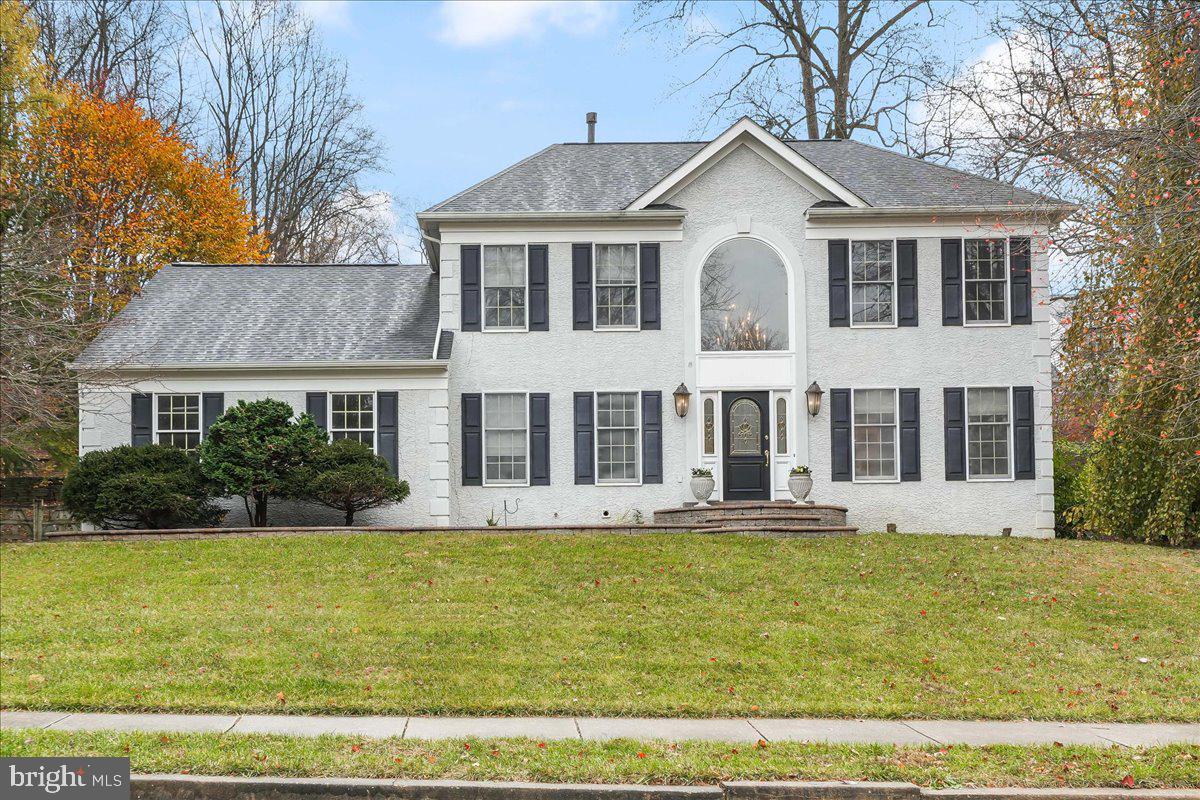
x: 591, y: 123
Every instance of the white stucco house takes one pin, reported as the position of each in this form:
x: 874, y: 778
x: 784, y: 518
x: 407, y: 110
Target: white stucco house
x: 534, y: 360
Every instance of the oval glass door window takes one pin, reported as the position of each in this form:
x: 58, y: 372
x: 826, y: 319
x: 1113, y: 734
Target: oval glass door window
x: 745, y: 434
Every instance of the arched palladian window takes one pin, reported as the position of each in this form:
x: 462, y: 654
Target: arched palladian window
x: 743, y: 298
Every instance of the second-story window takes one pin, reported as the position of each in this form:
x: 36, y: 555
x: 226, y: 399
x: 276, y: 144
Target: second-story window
x: 617, y: 286
x: 872, y: 283
x: 985, y: 281
x: 504, y: 287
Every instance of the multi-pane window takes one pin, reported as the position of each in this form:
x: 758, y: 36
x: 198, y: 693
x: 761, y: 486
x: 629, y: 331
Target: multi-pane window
x: 872, y: 283
x: 504, y: 287
x: 874, y: 434
x: 506, y: 439
x: 989, y: 433
x: 179, y: 420
x: 781, y: 440
x: 985, y: 280
x: 617, y: 437
x: 616, y: 286
x: 352, y: 416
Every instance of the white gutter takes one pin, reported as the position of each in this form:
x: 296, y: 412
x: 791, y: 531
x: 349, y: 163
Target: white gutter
x: 247, y: 366
x: 838, y: 212
x: 669, y: 214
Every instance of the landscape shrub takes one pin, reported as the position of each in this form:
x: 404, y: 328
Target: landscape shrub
x: 140, y: 487
x: 1070, y: 466
x: 347, y: 475
x: 258, y: 451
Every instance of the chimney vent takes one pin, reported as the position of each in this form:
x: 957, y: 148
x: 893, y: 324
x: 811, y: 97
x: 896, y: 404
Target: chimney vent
x: 591, y: 123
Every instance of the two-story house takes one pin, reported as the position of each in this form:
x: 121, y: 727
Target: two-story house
x: 599, y: 318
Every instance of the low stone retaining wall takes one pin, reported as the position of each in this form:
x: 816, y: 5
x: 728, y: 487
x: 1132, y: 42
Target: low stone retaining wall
x: 227, y: 533
x: 197, y: 787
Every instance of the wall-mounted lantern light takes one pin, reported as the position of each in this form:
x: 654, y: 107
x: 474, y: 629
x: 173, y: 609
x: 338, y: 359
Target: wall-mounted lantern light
x: 814, y: 393
x: 682, y: 400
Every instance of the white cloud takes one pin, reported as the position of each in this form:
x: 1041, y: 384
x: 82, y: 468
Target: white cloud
x: 331, y: 13
x: 474, y: 23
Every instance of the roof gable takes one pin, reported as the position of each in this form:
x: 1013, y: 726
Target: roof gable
x: 745, y: 132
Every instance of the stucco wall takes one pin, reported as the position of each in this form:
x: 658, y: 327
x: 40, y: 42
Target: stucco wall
x: 104, y: 422
x: 562, y: 361
x: 744, y: 194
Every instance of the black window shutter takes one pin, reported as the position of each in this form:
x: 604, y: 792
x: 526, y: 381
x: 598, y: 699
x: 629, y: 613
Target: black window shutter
x: 955, y: 418
x: 470, y: 283
x: 840, y: 435
x: 1022, y: 281
x: 585, y: 439
x: 212, y: 406
x: 651, y: 288
x: 652, y: 437
x: 910, y: 434
x: 1023, y: 433
x: 539, y: 439
x: 472, y: 439
x: 388, y: 434
x: 952, y: 282
x: 141, y: 419
x: 317, y: 404
x: 839, y: 283
x: 906, y: 283
x: 581, y: 286
x: 539, y: 287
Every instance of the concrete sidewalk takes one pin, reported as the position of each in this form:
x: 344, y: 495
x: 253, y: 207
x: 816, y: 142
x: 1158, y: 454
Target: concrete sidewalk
x: 853, y: 731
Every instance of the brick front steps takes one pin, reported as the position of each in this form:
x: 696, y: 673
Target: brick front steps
x: 770, y: 517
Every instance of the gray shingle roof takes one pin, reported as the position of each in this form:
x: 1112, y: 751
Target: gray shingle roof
x: 609, y: 176
x: 198, y: 315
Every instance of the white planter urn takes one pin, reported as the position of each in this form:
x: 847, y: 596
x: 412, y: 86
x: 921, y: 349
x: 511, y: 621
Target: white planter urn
x: 702, y: 487
x: 800, y: 486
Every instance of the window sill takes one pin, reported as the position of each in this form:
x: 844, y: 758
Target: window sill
x: 504, y: 485
x: 875, y: 480
x: 873, y: 326
x: 504, y: 330
x: 617, y: 483
x: 616, y: 329
x: 1008, y: 479
x: 1005, y: 324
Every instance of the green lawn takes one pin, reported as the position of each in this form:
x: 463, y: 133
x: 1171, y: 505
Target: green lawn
x: 700, y: 625
x: 620, y: 761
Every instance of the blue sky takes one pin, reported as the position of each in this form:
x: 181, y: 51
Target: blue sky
x: 458, y: 91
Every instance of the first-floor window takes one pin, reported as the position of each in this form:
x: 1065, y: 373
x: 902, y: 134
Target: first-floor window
x: 506, y: 439
x: 985, y: 281
x: 617, y: 435
x: 179, y: 420
x: 504, y: 287
x: 989, y: 433
x: 874, y: 412
x: 616, y: 286
x: 352, y: 416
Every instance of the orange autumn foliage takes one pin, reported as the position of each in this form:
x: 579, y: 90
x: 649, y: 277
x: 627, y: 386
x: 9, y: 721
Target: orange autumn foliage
x: 135, y: 197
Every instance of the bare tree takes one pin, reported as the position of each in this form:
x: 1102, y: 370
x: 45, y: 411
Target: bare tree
x: 117, y: 50
x: 810, y: 68
x: 276, y: 108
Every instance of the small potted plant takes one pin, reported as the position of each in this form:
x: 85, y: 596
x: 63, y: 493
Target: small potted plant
x: 800, y: 482
x: 702, y: 484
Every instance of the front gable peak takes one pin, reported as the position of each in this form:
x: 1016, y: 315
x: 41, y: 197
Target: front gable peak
x: 746, y: 132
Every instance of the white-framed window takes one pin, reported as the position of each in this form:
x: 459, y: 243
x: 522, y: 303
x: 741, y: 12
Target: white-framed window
x: 618, y: 437
x: 985, y: 281
x: 781, y: 425
x: 989, y: 433
x: 873, y: 283
x: 875, y: 414
x: 615, y: 286
x: 177, y: 420
x: 505, y: 287
x: 506, y: 439
x: 352, y: 416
